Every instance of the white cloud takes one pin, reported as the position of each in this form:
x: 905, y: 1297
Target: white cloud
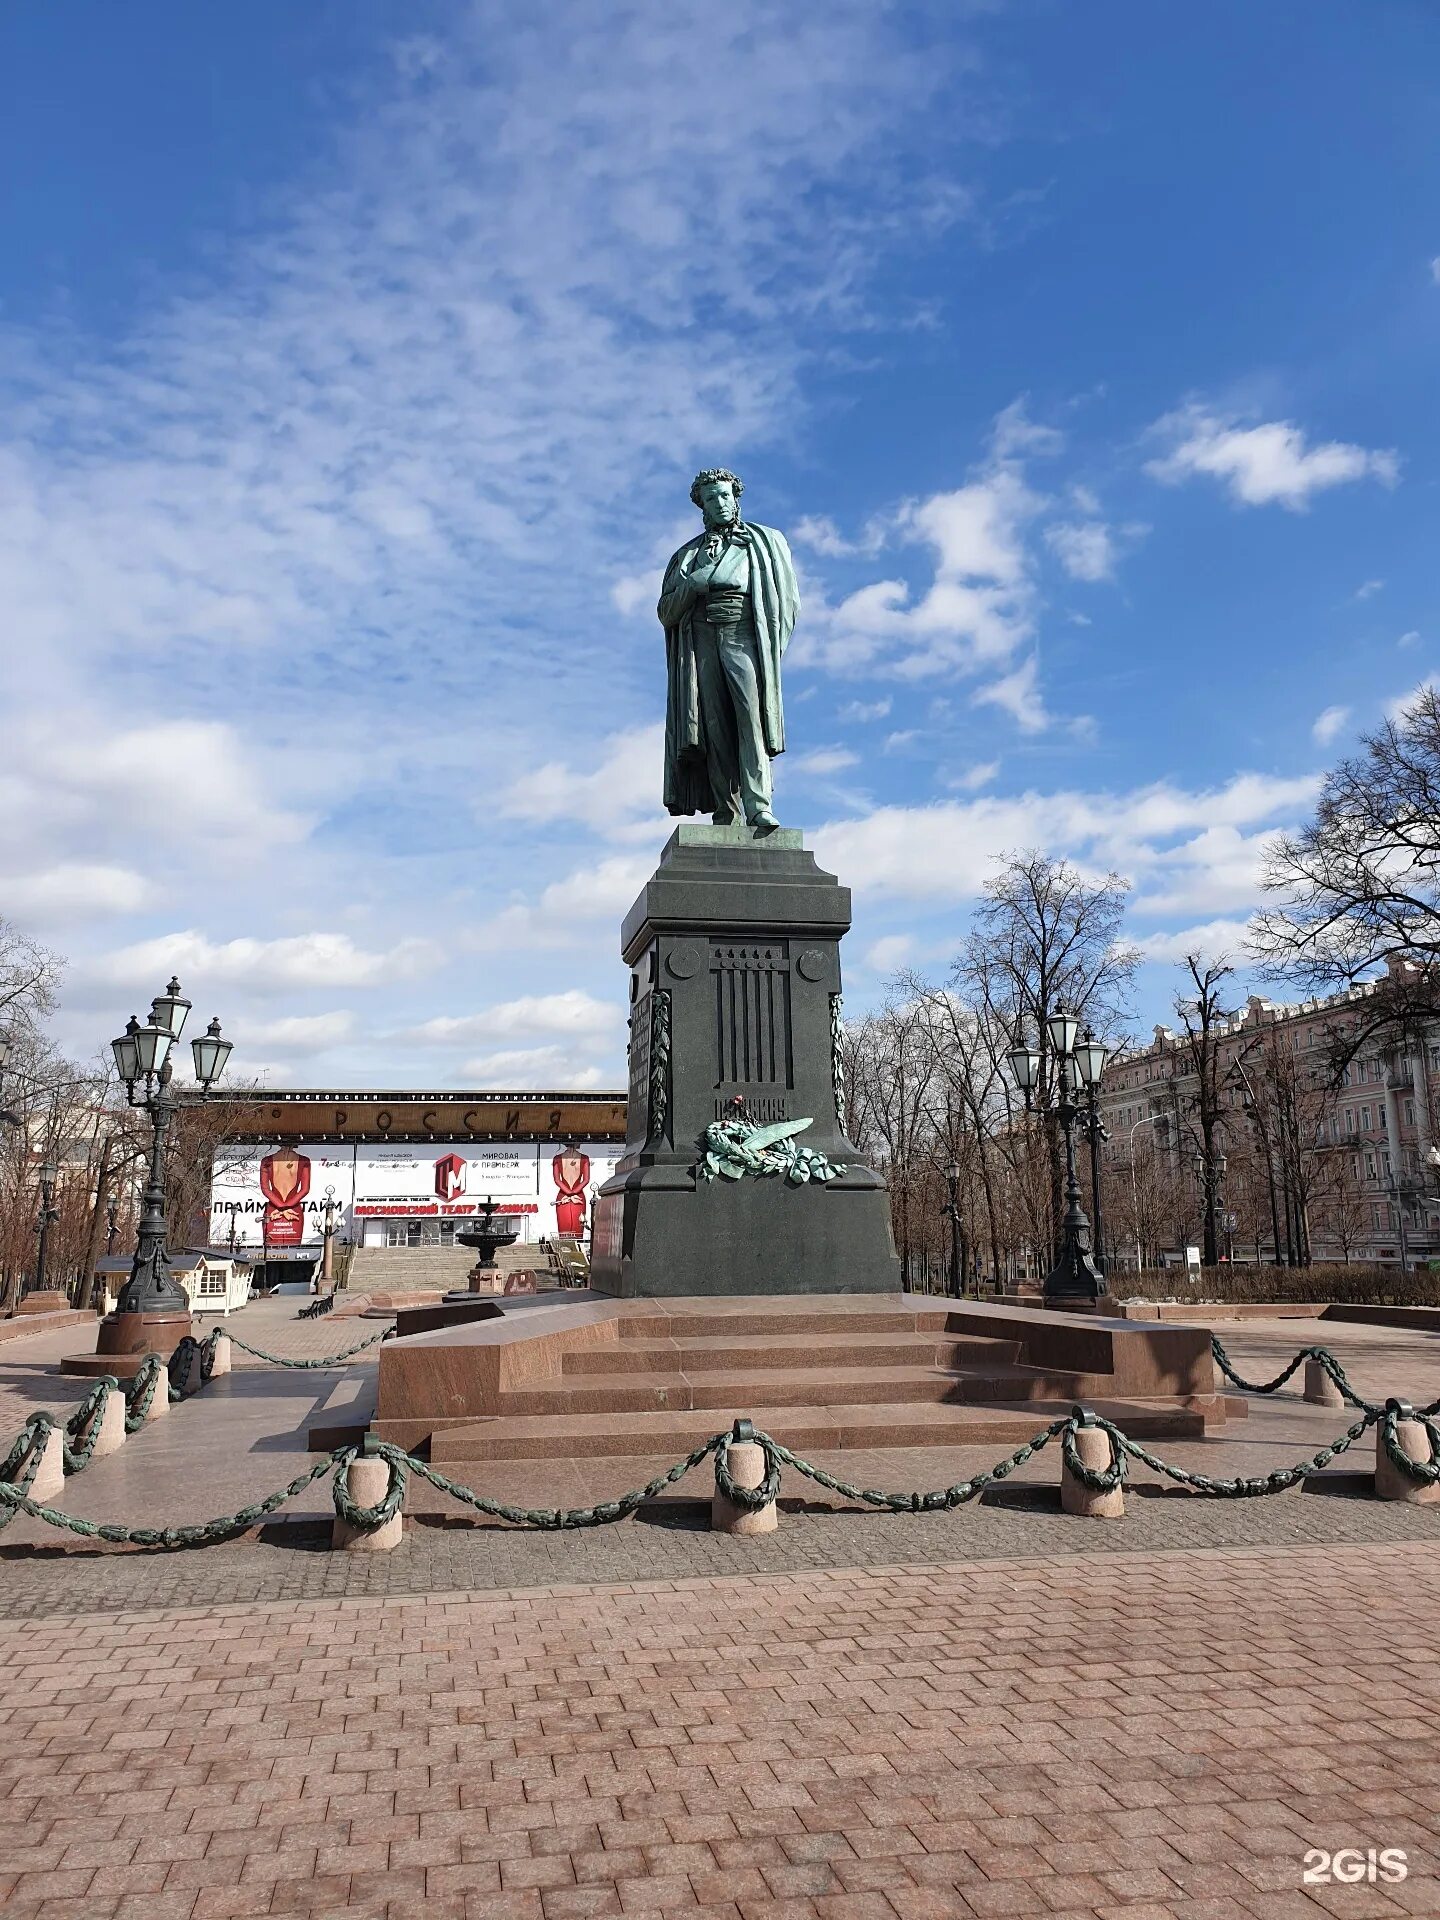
x: 980, y: 605
x: 625, y: 781
x: 525, y: 1069
x: 1411, y: 639
x: 1328, y: 725
x: 1263, y: 465
x: 567, y: 909
x: 1368, y: 589
x: 1019, y: 694
x: 263, y: 967
x: 902, y: 738
x: 820, y: 762
x: 573, y: 1013
x: 889, y: 953
x: 1394, y: 709
x: 973, y: 778
x: 1085, y: 548
x: 819, y: 533
x: 1212, y: 940
x: 86, y: 787
x: 943, y: 852
x: 302, y: 1033
x: 862, y: 710
x: 1435, y: 269
x: 69, y: 892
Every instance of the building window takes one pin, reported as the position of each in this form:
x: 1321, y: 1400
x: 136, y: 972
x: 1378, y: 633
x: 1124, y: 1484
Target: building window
x: 1409, y: 1113
x: 1375, y: 1218
x: 1349, y: 1119
x: 1369, y: 1166
x: 212, y: 1283
x: 1365, y: 1118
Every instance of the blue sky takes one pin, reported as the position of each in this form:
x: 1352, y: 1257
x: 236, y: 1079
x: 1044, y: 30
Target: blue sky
x: 355, y: 360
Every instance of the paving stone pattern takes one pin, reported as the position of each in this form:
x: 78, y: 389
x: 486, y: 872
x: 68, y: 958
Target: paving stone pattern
x: 1153, y: 1736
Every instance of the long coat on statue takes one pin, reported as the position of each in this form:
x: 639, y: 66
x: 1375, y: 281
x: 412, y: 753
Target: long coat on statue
x: 775, y: 601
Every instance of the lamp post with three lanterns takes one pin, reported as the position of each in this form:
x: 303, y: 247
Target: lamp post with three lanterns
x: 1075, y: 1279
x: 152, y: 1314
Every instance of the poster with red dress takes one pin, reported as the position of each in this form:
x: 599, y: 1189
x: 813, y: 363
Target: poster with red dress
x: 571, y: 1170
x: 284, y: 1182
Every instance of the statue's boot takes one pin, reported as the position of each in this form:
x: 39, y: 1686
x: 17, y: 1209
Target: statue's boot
x: 764, y: 820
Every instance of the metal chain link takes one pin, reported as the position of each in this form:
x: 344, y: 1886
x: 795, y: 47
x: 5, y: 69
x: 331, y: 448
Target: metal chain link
x: 942, y: 1499
x: 205, y: 1533
x: 142, y: 1390
x: 18, y: 1472
x: 307, y: 1366
x: 1326, y: 1359
x: 560, y: 1519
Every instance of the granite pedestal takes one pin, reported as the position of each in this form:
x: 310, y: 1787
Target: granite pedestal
x: 734, y: 954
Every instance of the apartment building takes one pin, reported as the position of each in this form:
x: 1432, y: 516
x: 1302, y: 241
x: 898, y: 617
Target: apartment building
x: 1351, y: 1166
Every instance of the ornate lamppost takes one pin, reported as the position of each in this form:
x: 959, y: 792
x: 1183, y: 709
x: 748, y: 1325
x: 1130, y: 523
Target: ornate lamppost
x: 152, y: 1314
x: 1095, y: 1130
x: 327, y: 1257
x: 1074, y: 1280
x: 952, y: 1207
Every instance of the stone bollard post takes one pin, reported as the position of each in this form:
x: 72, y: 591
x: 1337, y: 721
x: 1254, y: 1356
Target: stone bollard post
x: 1320, y: 1389
x: 49, y: 1478
x: 111, y: 1435
x: 1392, y: 1482
x: 160, y: 1399
x: 1093, y: 1449
x: 367, y: 1482
x: 745, y: 1462
x: 222, y: 1357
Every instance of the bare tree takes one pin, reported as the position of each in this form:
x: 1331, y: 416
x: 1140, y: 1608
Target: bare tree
x: 889, y: 1069
x: 1360, y: 884
x: 1203, y: 1019
x: 1043, y: 938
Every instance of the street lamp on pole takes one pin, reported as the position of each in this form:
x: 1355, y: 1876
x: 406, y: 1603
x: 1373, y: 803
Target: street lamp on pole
x: 48, y: 1215
x: 1074, y: 1278
x: 952, y: 1183
x: 152, y: 1313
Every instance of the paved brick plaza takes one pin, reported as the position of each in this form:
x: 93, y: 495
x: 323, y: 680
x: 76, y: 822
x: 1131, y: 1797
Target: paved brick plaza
x: 1000, y: 1711
x: 1148, y: 1736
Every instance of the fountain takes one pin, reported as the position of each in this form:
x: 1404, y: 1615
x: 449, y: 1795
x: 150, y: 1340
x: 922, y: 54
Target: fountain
x: 487, y: 1235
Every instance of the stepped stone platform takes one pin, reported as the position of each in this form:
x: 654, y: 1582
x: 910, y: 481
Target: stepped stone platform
x: 594, y: 1377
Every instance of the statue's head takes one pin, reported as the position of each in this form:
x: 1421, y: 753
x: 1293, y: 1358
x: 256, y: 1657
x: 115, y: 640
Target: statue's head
x: 717, y: 493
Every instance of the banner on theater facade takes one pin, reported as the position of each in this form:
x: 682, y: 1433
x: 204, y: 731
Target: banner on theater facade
x: 275, y: 1200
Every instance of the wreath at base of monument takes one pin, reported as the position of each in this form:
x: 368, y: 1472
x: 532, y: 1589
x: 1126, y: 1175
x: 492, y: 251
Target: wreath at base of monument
x: 733, y: 1148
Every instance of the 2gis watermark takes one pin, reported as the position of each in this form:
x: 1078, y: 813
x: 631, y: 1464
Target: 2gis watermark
x: 1349, y: 1866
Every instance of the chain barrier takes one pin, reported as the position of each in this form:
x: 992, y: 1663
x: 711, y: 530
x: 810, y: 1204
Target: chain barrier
x: 1325, y: 1358
x: 81, y: 1432
x: 401, y: 1465
x: 204, y: 1534
x: 308, y: 1366
x: 19, y: 1468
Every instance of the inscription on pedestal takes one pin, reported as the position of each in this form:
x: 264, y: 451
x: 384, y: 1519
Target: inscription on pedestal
x: 757, y: 1107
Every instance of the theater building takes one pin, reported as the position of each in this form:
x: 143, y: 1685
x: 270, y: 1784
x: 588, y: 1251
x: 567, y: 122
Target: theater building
x: 406, y: 1169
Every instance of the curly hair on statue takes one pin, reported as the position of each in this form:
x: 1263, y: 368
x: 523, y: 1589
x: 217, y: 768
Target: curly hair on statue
x: 715, y: 473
